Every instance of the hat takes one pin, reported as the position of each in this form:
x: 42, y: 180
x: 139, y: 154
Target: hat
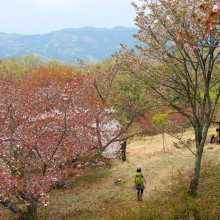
x: 139, y: 168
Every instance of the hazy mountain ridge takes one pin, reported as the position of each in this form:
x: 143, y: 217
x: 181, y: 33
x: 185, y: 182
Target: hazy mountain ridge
x: 88, y: 43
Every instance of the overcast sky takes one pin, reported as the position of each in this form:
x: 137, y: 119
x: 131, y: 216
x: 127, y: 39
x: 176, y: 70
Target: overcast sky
x: 43, y: 16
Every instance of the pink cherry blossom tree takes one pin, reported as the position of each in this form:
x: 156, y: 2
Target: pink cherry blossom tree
x: 46, y: 120
x: 178, y: 61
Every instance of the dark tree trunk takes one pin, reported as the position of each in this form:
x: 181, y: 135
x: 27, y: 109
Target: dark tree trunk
x: 193, y: 188
x: 31, y: 211
x: 14, y: 209
x: 195, y: 181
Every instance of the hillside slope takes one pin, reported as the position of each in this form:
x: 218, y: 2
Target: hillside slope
x: 93, y: 195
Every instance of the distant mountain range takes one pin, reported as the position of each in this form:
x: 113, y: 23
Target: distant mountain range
x: 87, y: 43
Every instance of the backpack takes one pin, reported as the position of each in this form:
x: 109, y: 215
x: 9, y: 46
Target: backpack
x: 138, y: 179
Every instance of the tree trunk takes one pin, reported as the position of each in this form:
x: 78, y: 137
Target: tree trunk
x: 197, y: 167
x: 14, y: 209
x: 31, y: 211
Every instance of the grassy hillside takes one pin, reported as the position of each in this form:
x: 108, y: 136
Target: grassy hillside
x: 95, y: 195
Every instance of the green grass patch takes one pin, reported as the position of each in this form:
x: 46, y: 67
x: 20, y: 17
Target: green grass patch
x: 93, y: 177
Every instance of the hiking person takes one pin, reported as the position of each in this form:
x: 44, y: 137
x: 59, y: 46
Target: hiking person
x: 215, y: 136
x: 123, y: 150
x: 139, y: 183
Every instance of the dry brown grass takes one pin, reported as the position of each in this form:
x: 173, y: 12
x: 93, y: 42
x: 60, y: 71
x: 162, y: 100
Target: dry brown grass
x: 89, y: 200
